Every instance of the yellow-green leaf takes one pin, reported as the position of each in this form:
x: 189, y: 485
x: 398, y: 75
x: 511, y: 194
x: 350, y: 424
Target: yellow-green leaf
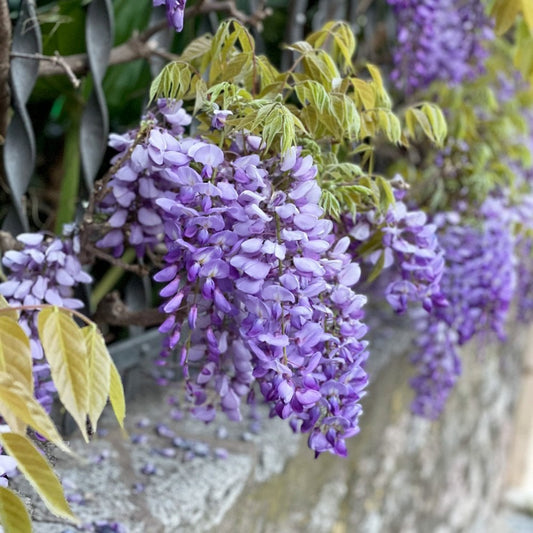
x: 175, y: 81
x: 38, y: 472
x: 437, y: 122
x: 527, y: 10
x: 15, y: 360
x: 197, y: 49
x: 15, y: 352
x: 6, y: 310
x: 64, y: 347
x: 99, y: 372
x: 116, y: 394
x: 505, y: 12
x: 17, y: 401
x: 383, y: 99
x: 13, y: 514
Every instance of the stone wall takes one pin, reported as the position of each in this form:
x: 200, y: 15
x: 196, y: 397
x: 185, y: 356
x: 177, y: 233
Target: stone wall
x: 403, y: 474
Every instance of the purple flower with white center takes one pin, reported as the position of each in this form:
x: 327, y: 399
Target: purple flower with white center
x: 175, y: 12
x: 45, y: 271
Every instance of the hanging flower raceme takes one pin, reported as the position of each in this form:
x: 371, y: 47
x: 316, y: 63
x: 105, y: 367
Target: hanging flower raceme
x: 479, y: 283
x: 44, y: 271
x: 133, y: 216
x: 406, y: 246
x: 259, y: 290
x: 439, y: 40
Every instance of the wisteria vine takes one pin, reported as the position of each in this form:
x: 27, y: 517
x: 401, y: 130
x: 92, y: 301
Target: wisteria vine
x: 262, y: 288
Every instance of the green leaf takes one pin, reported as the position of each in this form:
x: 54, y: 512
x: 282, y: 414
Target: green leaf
x: 69, y: 191
x: 16, y: 400
x: 175, y: 81
x: 229, y: 34
x: 99, y: 372
x: 436, y: 121
x: 378, y: 267
x: 330, y: 204
x: 14, y: 516
x: 64, y: 347
x: 319, y: 66
x: 129, y: 17
x: 38, y: 472
x: 198, y: 49
x: 386, y: 195
x: 116, y: 394
x: 430, y: 119
x: 389, y: 123
x: 342, y: 39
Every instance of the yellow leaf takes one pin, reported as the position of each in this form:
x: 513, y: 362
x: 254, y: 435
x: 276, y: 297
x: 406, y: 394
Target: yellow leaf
x: 527, y: 10
x: 5, y: 309
x: 38, y: 472
x: 13, y: 514
x: 17, y: 400
x: 505, y: 12
x: 15, y: 352
x: 366, y: 94
x: 116, y: 394
x: 15, y: 360
x: 64, y: 347
x: 99, y: 372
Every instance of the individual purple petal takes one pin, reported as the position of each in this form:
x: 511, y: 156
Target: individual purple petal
x: 209, y: 155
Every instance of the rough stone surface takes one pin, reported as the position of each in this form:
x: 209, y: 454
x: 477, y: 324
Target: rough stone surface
x: 403, y: 474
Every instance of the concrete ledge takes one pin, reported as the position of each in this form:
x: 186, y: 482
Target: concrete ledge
x: 403, y: 474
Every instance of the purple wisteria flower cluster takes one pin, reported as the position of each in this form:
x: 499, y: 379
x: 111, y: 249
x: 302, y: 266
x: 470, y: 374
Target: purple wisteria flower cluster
x: 407, y: 245
x: 133, y: 216
x: 259, y: 290
x: 44, y: 271
x: 258, y: 287
x: 479, y: 283
x: 439, y: 40
x: 175, y: 12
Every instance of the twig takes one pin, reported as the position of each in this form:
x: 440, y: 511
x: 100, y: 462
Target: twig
x: 136, y: 269
x: 57, y: 60
x: 5, y: 47
x: 113, y: 311
x: 140, y: 46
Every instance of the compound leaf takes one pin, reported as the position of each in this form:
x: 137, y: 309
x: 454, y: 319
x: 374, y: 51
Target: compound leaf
x: 38, y: 472
x: 65, y: 350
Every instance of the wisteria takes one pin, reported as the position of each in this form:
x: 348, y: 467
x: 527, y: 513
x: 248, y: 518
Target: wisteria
x: 479, y: 282
x: 134, y: 218
x: 404, y: 242
x: 259, y: 290
x: 439, y: 40
x: 44, y: 271
x: 175, y: 11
